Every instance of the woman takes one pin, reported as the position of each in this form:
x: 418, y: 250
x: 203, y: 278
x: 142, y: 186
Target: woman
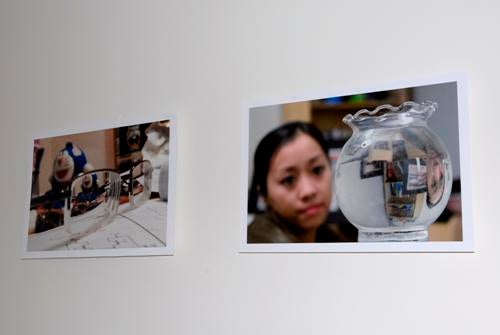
x: 293, y: 175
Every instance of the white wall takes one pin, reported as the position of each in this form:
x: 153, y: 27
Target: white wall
x: 76, y: 62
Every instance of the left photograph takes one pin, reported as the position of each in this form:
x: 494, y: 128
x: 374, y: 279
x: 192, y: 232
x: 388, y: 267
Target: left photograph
x: 105, y: 192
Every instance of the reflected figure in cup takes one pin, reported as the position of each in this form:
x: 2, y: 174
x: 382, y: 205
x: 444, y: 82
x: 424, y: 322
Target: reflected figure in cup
x: 435, y: 180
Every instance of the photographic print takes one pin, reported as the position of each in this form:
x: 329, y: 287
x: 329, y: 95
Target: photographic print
x: 380, y: 151
x: 379, y: 169
x: 371, y: 168
x: 416, y: 177
x: 106, y: 192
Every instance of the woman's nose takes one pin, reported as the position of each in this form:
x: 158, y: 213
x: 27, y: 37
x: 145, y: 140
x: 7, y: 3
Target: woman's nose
x: 307, y: 188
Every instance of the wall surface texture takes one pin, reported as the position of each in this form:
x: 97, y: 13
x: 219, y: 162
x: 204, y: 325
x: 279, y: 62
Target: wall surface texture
x: 67, y: 63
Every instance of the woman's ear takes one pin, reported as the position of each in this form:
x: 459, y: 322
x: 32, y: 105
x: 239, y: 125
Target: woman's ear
x: 261, y: 202
x: 261, y: 199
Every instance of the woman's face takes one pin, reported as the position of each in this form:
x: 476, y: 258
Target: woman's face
x: 299, y: 183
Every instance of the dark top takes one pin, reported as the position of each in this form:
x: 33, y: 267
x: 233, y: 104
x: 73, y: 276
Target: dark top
x: 268, y: 227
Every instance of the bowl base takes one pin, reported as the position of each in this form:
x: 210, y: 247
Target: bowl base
x: 393, y: 236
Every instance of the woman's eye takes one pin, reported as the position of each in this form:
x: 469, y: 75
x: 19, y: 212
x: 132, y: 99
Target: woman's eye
x: 317, y: 170
x: 287, y: 181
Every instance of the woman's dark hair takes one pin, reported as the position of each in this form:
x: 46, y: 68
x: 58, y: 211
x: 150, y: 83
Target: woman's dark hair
x: 268, y: 146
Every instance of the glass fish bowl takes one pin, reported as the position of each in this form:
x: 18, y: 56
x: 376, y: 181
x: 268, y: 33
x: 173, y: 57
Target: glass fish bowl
x: 393, y: 177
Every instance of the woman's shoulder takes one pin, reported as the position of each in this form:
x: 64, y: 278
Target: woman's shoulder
x: 266, y: 228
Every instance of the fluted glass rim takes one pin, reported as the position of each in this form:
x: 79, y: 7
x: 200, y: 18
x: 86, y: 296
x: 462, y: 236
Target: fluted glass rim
x: 387, y: 114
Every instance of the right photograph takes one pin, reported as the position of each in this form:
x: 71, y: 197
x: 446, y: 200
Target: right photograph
x: 368, y: 169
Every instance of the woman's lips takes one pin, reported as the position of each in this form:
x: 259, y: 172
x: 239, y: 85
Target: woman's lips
x: 312, y: 210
